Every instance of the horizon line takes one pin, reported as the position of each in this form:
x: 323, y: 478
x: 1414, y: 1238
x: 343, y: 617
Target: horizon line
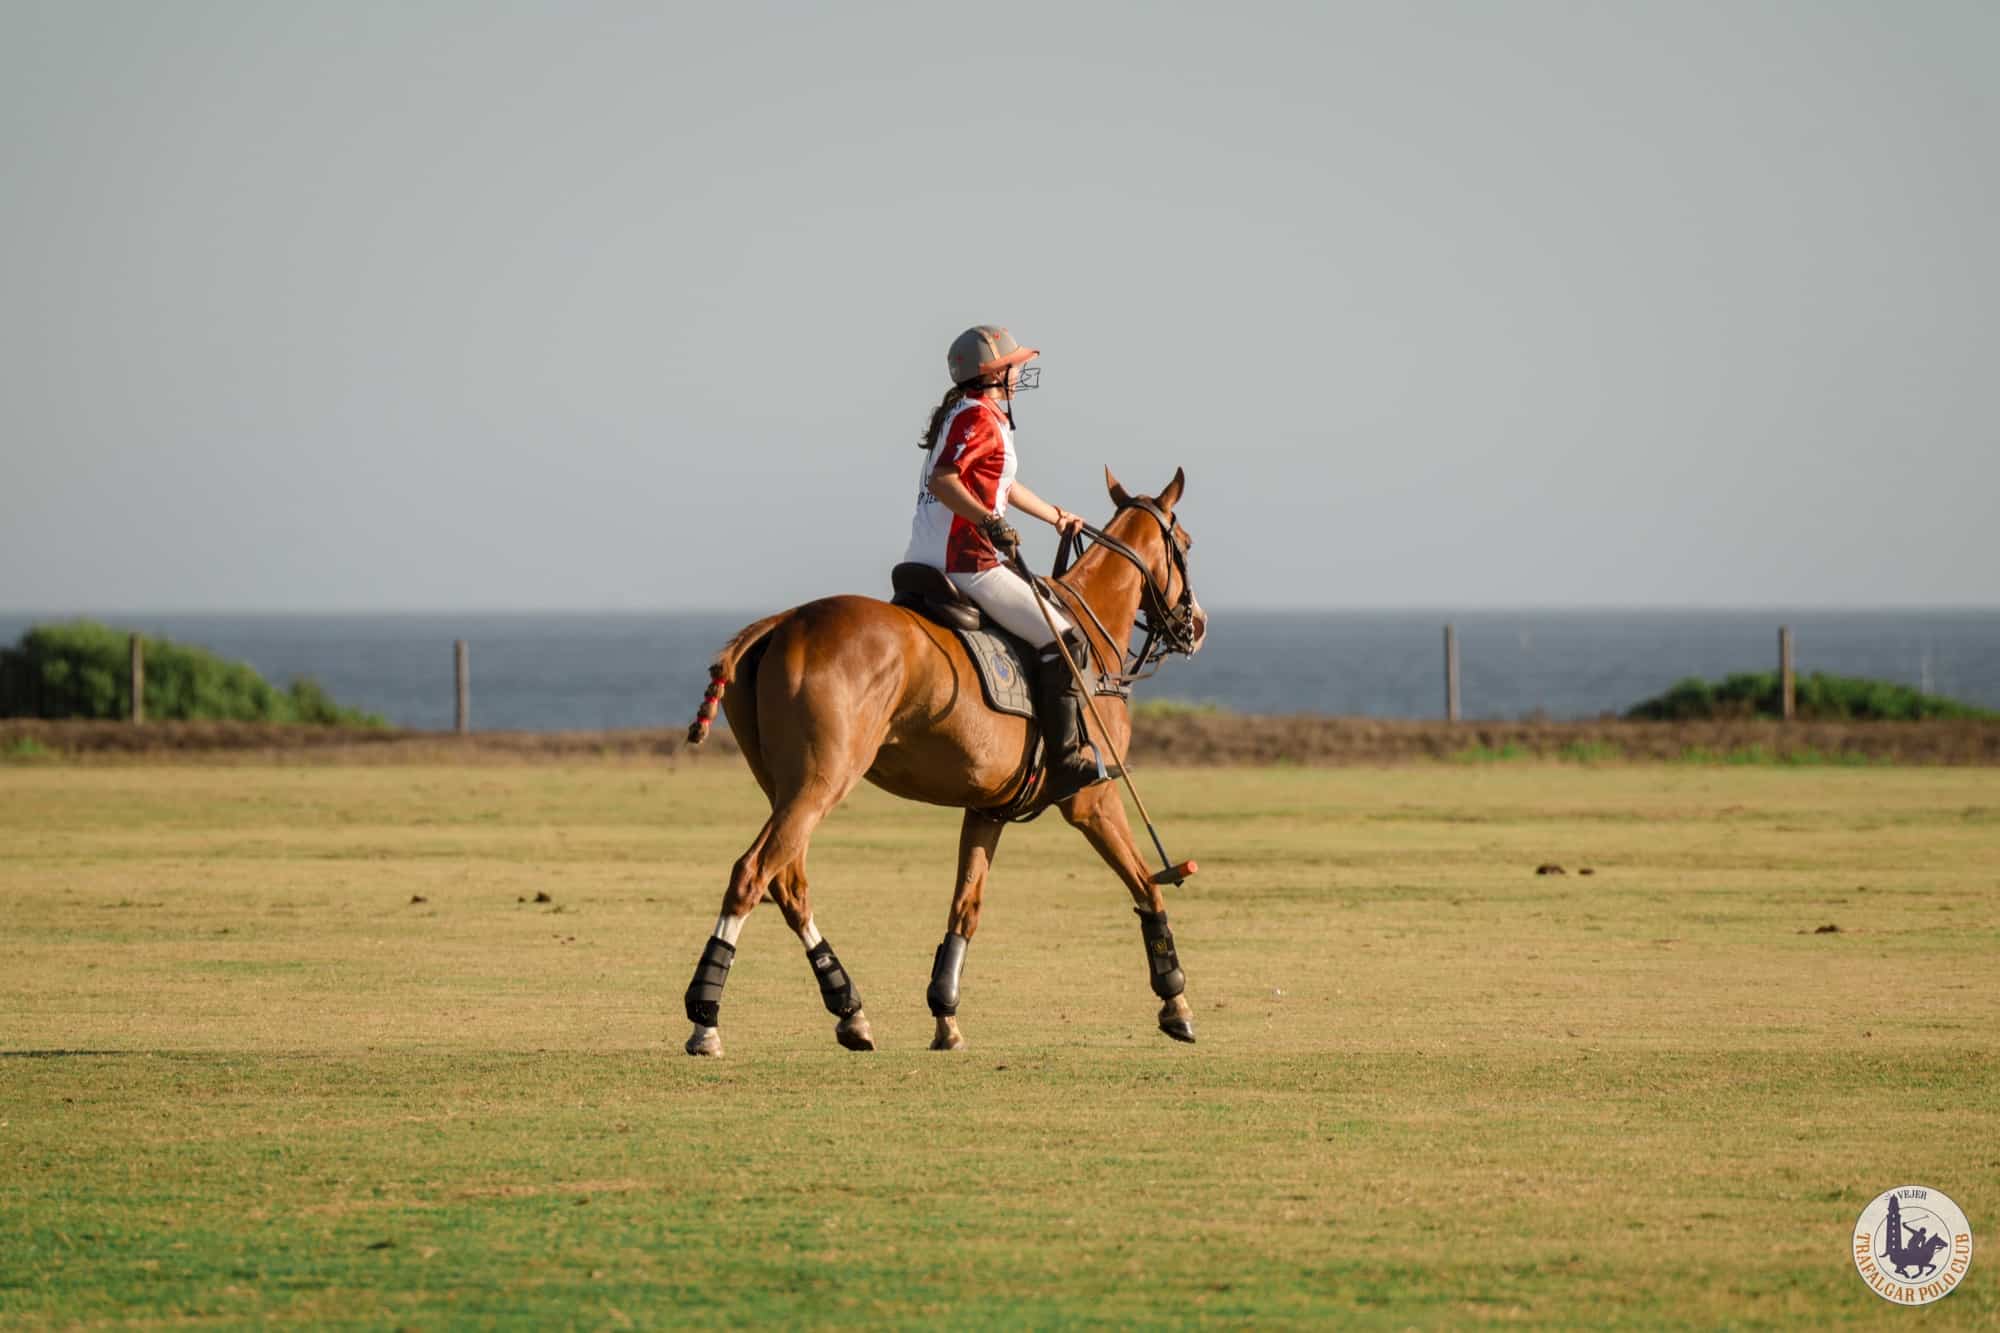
x: 1404, y: 608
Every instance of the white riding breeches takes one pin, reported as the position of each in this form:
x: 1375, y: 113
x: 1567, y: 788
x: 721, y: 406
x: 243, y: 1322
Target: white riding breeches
x: 1006, y: 596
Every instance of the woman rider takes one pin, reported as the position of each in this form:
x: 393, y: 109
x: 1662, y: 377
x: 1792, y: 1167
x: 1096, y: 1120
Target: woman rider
x: 963, y: 494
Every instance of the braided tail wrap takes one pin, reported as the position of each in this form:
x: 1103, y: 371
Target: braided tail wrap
x: 722, y: 673
x: 704, y: 716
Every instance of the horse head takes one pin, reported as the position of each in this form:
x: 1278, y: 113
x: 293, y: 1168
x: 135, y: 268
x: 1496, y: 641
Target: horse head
x: 1164, y: 543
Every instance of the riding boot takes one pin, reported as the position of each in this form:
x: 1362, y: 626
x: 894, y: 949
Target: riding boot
x: 1059, y: 708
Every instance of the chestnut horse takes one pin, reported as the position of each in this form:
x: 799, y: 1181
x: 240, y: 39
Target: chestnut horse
x: 847, y: 688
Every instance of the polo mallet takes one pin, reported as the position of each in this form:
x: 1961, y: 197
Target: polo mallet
x: 1170, y: 873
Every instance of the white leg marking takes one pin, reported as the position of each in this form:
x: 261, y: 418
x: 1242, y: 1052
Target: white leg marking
x: 727, y: 928
x: 704, y: 1041
x: 809, y: 934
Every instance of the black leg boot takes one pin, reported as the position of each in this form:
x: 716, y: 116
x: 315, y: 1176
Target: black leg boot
x: 1059, y: 709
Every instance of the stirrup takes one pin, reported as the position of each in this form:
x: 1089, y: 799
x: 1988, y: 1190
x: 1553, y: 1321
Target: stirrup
x: 1063, y: 781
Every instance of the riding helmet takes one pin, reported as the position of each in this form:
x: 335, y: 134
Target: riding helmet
x: 983, y: 350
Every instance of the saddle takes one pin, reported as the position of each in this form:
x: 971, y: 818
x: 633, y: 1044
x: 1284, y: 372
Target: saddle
x: 1005, y: 665
x: 925, y: 590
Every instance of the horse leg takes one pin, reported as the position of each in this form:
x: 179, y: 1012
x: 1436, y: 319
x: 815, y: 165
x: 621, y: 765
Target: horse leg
x: 829, y: 709
x: 703, y: 1000
x: 977, y: 837
x: 781, y: 867
x: 1099, y: 813
x: 778, y: 852
x: 704, y: 994
x: 836, y: 988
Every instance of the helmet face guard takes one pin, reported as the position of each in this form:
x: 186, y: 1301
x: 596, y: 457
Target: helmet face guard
x: 1026, y: 378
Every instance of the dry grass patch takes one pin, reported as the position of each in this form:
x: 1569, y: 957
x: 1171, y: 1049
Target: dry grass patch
x: 244, y: 1078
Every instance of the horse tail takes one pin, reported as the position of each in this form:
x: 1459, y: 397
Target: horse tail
x: 722, y: 671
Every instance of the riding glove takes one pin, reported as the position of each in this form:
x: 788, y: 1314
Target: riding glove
x: 1000, y: 532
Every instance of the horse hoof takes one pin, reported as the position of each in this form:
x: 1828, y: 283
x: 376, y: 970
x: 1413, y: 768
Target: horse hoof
x: 852, y: 1032
x: 705, y: 1041
x: 947, y: 1038
x: 1177, y: 1019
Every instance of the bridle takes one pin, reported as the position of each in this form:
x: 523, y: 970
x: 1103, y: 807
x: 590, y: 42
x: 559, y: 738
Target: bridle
x: 1167, y: 622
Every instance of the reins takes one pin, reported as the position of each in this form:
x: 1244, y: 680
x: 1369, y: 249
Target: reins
x: 1170, y: 872
x: 1168, y: 627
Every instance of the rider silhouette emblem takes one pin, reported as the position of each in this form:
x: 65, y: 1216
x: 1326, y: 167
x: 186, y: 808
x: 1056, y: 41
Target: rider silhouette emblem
x: 1912, y: 1245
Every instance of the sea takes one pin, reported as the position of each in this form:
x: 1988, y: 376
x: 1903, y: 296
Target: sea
x: 564, y: 672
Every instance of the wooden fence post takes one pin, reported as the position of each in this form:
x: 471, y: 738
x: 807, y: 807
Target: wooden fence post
x: 1787, y: 696
x: 463, y: 670
x: 138, y: 709
x: 1450, y: 673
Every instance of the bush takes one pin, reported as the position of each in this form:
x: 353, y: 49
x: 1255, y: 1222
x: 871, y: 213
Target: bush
x: 1819, y: 697
x: 83, y: 669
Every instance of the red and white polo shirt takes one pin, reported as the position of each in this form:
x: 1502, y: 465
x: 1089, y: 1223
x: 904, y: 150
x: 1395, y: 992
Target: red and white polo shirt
x: 976, y: 443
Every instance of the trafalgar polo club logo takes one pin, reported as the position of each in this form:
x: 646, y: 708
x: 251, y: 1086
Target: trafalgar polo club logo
x: 1912, y: 1245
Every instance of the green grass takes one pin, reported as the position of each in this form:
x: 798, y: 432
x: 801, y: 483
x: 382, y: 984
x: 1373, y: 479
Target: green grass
x: 1492, y: 754
x: 245, y: 1079
x: 1171, y: 708
x: 1802, y: 757
x: 23, y: 749
x: 1595, y: 752
x: 1590, y: 752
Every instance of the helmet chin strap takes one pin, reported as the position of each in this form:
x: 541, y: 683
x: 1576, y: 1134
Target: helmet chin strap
x: 1006, y: 395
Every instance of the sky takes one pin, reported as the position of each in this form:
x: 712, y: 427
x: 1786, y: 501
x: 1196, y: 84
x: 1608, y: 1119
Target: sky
x: 497, y: 306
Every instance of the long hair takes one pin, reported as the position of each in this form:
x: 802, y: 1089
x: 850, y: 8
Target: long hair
x: 952, y: 398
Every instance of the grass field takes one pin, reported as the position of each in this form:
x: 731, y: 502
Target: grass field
x: 297, y: 1044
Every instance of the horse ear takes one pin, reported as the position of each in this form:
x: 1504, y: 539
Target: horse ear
x: 1119, y: 496
x: 1171, y: 496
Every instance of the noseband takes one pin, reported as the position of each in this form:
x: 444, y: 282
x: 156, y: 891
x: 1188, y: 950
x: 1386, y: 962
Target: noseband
x: 1168, y: 624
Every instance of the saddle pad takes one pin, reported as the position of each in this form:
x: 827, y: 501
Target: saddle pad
x: 1004, y: 676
